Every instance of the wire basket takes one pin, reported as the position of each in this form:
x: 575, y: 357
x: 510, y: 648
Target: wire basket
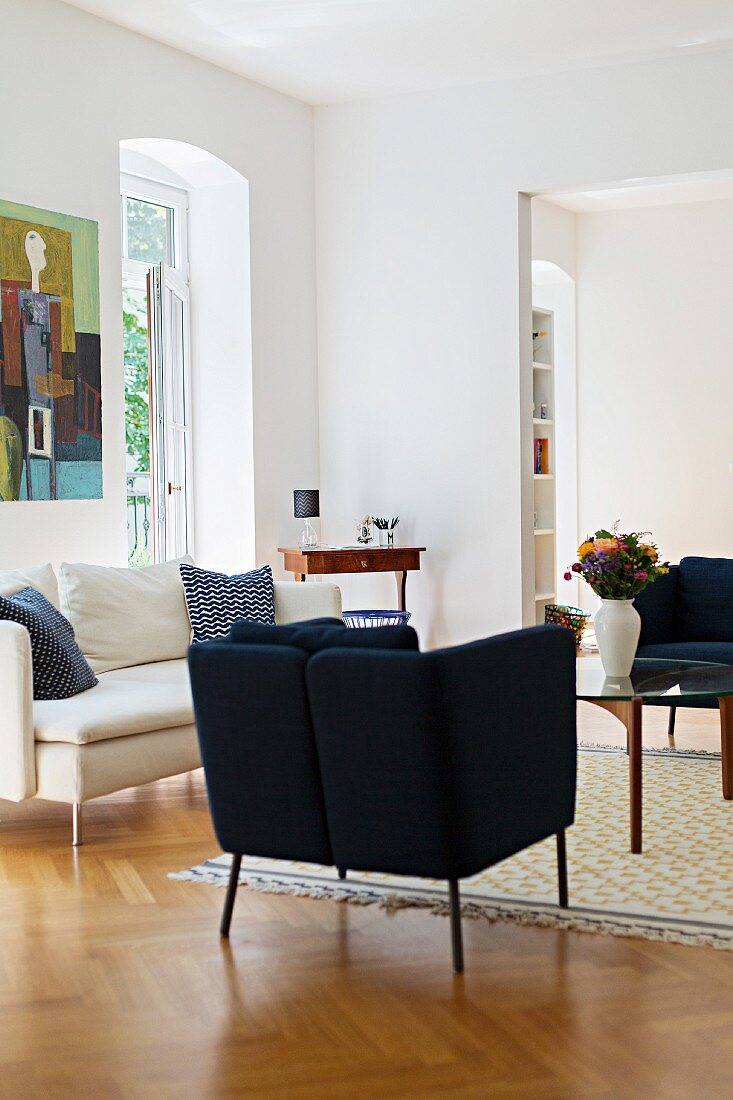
x: 376, y: 618
x: 574, y: 618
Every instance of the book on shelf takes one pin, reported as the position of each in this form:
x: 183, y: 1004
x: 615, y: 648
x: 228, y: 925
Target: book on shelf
x: 541, y: 456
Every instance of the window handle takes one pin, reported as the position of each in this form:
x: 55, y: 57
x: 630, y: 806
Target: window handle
x: 174, y: 488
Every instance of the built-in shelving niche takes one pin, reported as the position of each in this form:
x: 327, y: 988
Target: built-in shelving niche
x: 543, y: 427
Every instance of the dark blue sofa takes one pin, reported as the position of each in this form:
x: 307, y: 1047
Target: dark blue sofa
x: 688, y: 615
x: 317, y: 746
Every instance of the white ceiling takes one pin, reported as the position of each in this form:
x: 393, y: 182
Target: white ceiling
x: 326, y: 51
x: 711, y: 188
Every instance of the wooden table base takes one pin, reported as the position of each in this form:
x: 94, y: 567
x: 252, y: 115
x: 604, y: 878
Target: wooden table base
x: 726, y: 744
x: 628, y: 712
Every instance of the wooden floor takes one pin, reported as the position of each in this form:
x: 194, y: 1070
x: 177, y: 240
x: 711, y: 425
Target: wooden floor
x: 114, y: 983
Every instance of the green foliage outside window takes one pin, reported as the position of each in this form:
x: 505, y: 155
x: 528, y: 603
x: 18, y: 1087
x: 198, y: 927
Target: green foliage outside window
x: 137, y: 396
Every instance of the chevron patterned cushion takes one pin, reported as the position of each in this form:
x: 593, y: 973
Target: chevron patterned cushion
x: 215, y: 601
x: 59, y: 667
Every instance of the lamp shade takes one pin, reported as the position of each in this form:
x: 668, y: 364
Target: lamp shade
x: 306, y: 503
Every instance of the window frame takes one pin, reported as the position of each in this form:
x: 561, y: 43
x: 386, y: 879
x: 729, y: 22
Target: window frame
x: 157, y: 194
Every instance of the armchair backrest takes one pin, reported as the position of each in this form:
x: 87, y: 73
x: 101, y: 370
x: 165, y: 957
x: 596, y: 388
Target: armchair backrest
x: 657, y: 606
x: 693, y: 603
x: 258, y: 750
x: 704, y: 609
x: 442, y: 763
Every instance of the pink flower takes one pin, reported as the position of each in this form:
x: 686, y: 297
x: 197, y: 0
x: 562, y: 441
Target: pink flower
x: 640, y: 575
x: 567, y: 576
x: 606, y: 544
x: 577, y: 568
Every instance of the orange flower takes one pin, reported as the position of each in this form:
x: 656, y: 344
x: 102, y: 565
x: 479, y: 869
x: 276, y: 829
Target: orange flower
x: 651, y: 552
x: 585, y: 548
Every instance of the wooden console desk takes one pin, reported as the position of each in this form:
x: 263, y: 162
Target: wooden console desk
x: 319, y: 561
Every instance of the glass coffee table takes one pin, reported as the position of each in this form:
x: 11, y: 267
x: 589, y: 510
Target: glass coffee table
x: 655, y: 681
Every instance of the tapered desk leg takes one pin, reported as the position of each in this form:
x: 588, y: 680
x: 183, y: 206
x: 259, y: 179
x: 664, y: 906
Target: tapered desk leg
x: 628, y: 711
x: 299, y: 576
x: 726, y: 744
x: 401, y: 578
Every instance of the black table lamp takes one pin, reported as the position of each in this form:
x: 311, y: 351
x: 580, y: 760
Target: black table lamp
x: 306, y: 505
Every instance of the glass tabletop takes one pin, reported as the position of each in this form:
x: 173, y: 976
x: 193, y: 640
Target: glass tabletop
x: 654, y: 679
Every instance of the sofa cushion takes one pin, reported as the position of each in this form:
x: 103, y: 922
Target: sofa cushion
x: 59, y: 668
x: 215, y: 601
x: 320, y: 634
x: 40, y: 577
x: 114, y: 708
x: 125, y: 617
x: 159, y: 672
x: 705, y: 600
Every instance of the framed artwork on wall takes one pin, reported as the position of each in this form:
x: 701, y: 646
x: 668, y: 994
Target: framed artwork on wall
x: 50, y: 358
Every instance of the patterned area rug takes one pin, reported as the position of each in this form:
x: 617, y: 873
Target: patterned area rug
x: 679, y: 890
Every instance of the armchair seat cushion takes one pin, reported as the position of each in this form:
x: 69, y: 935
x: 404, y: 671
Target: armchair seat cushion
x: 114, y: 708
x: 720, y: 653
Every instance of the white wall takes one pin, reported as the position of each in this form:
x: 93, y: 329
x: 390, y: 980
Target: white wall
x: 419, y: 339
x: 83, y: 85
x: 655, y: 381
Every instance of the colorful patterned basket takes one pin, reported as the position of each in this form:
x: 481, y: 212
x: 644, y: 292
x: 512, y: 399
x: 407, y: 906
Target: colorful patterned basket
x: 574, y: 618
x: 376, y: 618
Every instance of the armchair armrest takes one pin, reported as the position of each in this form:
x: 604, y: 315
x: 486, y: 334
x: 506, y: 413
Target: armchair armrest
x: 510, y: 715
x: 17, y: 747
x: 296, y: 601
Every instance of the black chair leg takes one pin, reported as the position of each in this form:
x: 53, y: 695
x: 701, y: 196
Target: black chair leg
x: 342, y: 872
x: 562, y: 870
x: 671, y: 722
x: 456, y: 933
x: 226, y: 917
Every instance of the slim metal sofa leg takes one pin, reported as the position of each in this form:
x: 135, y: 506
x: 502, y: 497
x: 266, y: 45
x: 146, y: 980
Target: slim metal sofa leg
x: 562, y: 870
x: 342, y: 872
x: 456, y: 933
x: 76, y: 825
x: 226, y: 917
x: 671, y: 722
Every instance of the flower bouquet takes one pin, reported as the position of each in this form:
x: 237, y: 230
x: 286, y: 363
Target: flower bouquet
x: 618, y: 567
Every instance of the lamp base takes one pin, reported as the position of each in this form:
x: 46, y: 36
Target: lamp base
x: 308, y: 536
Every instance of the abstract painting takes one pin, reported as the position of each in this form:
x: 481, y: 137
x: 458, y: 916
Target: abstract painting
x: 50, y: 363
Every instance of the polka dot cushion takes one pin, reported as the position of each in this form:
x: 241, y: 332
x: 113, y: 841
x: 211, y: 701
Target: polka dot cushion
x: 59, y: 666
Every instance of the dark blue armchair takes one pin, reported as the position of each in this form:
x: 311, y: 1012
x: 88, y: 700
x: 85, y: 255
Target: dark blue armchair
x: 387, y: 759
x: 688, y: 616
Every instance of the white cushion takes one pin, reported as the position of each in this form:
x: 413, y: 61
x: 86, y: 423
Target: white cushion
x: 40, y: 577
x: 296, y: 601
x: 114, y: 708
x: 125, y: 617
x: 160, y: 672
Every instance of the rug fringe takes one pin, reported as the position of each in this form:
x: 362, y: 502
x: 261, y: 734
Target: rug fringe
x: 473, y: 911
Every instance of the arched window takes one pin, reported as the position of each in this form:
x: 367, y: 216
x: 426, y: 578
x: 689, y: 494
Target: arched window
x: 155, y: 313
x: 185, y: 224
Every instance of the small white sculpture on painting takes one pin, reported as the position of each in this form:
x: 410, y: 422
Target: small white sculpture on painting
x: 35, y: 250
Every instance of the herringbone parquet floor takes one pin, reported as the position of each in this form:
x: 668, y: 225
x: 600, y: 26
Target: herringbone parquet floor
x: 114, y: 984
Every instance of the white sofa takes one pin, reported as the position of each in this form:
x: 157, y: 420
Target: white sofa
x: 137, y: 724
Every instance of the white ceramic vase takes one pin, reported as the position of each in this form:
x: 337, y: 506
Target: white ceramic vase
x: 618, y: 625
